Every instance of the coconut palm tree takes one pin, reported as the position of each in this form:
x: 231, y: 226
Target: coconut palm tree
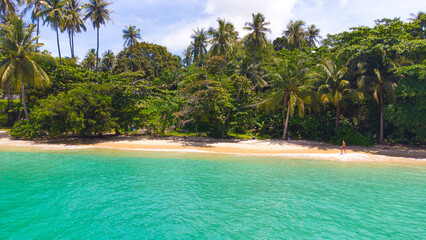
x: 335, y: 87
x: 379, y: 78
x: 73, y: 21
x: 18, y: 68
x: 222, y: 39
x: 89, y: 61
x: 131, y: 35
x: 199, y: 45
x: 312, y: 35
x: 257, y: 35
x: 295, y: 34
x: 288, y: 83
x: 36, y: 7
x: 187, y: 54
x: 99, y: 14
x: 108, y: 60
x: 7, y: 6
x: 53, y: 13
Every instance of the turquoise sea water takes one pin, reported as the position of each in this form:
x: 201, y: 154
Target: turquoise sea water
x: 101, y: 195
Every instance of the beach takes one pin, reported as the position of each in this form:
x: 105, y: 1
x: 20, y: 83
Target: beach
x: 292, y: 149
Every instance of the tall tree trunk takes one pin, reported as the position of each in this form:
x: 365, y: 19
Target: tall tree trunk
x: 70, y: 40
x: 288, y: 111
x: 59, y: 47
x: 254, y: 63
x: 97, y: 52
x: 381, y: 118
x: 23, y: 100
x: 337, y: 114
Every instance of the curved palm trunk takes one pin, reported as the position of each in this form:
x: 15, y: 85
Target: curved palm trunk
x: 288, y: 113
x: 97, y: 52
x: 59, y: 47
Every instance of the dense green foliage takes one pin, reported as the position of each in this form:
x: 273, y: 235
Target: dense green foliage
x: 363, y: 86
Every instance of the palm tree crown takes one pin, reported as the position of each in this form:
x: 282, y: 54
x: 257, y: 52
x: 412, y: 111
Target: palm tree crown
x: 222, y: 38
x: 295, y: 34
x: 199, y: 45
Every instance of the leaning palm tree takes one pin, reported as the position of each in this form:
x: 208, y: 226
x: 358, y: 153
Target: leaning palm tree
x: 108, y: 60
x: 312, y: 35
x: 199, y: 45
x: 73, y: 21
x: 36, y: 7
x: 295, y: 34
x: 99, y: 14
x: 257, y: 35
x: 131, y: 35
x: 288, y: 83
x: 336, y: 87
x: 18, y: 66
x: 53, y: 13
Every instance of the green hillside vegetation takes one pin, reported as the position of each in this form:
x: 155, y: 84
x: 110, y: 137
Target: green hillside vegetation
x: 365, y: 85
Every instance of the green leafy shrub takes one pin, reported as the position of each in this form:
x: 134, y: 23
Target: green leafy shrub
x: 25, y: 129
x: 350, y: 136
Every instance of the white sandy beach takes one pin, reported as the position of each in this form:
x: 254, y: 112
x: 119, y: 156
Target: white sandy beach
x: 292, y: 149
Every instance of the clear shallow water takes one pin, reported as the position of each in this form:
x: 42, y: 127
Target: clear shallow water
x: 111, y: 196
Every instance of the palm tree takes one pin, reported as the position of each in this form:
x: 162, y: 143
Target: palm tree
x: 222, y: 39
x: 97, y: 12
x: 199, y: 45
x: 7, y: 6
x: 288, y: 83
x: 131, y: 35
x: 36, y: 7
x: 19, y: 66
x: 335, y: 87
x: 53, y: 13
x: 73, y: 21
x: 89, y: 61
x: 295, y: 34
x: 108, y: 60
x: 313, y: 35
x: 378, y: 77
x: 257, y: 37
x: 187, y: 60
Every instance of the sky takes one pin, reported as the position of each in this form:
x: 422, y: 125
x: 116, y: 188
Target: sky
x: 171, y: 22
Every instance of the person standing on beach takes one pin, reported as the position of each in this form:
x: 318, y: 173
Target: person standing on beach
x: 343, y: 148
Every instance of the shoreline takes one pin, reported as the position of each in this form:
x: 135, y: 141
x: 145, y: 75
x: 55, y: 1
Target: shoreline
x: 295, y: 149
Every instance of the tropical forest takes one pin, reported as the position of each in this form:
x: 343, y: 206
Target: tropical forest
x: 365, y: 85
